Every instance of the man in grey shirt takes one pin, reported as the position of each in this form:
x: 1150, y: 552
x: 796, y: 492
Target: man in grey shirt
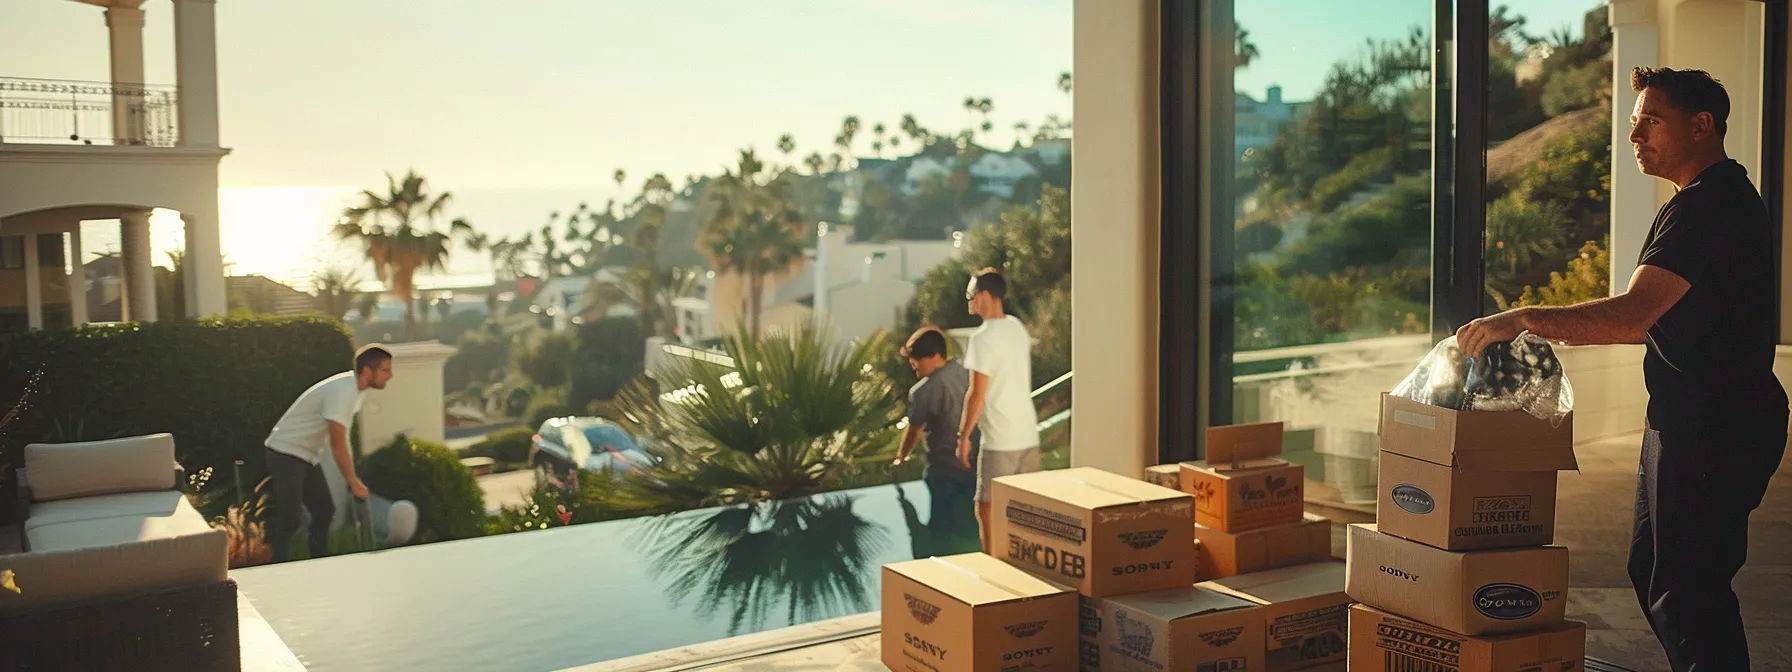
x: 935, y: 409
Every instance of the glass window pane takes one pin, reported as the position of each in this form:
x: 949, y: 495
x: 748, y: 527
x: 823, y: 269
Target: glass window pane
x: 54, y: 280
x: 12, y: 284
x: 1332, y: 224
x: 1549, y: 154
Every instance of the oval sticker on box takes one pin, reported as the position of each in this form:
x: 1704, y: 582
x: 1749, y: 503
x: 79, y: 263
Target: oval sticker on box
x: 1413, y: 499
x: 1507, y: 601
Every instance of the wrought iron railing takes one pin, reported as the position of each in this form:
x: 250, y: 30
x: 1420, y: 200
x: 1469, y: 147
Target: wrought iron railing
x: 87, y: 113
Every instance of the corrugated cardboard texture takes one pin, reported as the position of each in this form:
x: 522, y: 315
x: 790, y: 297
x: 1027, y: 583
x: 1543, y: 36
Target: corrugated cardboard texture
x: 963, y: 625
x: 1102, y: 533
x: 1171, y: 630
x: 1383, y: 641
x: 1485, y: 440
x: 1303, y: 613
x: 1238, y: 443
x: 1461, y: 510
x: 1225, y: 554
x: 1472, y: 593
x: 1165, y: 476
x: 1246, y: 499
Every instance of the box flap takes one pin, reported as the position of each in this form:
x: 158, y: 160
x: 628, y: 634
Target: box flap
x: 1485, y: 440
x: 1092, y: 488
x: 1239, y: 467
x: 1170, y: 605
x: 975, y: 579
x: 1236, y: 443
x: 1287, y: 584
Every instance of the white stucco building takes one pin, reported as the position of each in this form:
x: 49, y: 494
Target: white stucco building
x: 74, y: 151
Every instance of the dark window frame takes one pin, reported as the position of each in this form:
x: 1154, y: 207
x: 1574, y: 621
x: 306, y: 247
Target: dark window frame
x: 1194, y: 345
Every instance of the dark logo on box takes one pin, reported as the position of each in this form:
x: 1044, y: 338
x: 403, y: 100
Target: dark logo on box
x: 1401, y: 573
x: 1227, y: 665
x: 1507, y: 601
x: 1135, y: 636
x: 1413, y: 499
x: 1277, y: 490
x: 1142, y: 540
x: 1025, y: 630
x: 1049, y: 523
x: 1090, y: 654
x: 923, y: 612
x: 1047, y: 558
x: 1088, y: 620
x: 1143, y: 567
x: 1221, y: 637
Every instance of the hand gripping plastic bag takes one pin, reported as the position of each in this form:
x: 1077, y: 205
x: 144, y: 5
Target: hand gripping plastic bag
x: 1518, y: 375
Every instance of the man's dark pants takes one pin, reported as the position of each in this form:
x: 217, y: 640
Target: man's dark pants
x: 1693, y: 497
x: 296, y: 483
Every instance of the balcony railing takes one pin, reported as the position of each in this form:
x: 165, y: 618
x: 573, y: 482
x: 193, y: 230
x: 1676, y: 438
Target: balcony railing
x: 47, y: 111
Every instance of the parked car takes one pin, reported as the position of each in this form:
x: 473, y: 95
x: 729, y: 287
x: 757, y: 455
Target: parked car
x: 564, y: 446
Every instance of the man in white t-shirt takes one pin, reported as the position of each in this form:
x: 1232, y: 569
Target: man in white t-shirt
x: 316, y: 422
x: 1000, y: 403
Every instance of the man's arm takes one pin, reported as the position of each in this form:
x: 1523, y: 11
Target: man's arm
x: 909, y: 439
x: 973, y: 404
x: 1625, y: 318
x: 345, y: 461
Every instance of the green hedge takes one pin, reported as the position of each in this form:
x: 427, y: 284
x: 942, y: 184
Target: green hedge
x: 450, y: 504
x: 505, y: 445
x: 217, y: 385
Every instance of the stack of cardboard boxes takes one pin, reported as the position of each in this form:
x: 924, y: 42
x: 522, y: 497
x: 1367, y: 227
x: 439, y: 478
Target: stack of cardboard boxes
x: 1459, y: 573
x: 1097, y: 571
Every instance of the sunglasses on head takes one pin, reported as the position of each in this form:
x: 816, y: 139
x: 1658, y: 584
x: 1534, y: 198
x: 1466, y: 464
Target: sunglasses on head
x: 970, y: 290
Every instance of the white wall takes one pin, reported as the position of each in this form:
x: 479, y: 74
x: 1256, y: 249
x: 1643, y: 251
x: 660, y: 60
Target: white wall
x: 1114, y: 235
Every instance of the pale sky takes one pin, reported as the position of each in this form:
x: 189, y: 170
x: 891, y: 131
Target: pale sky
x: 558, y: 93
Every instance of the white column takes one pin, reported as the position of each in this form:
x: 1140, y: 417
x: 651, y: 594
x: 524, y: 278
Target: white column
x: 1115, y: 199
x: 1636, y: 43
x: 34, y: 284
x: 204, y: 265
x: 125, y: 23
x: 139, y: 269
x: 77, y: 281
x: 196, y: 69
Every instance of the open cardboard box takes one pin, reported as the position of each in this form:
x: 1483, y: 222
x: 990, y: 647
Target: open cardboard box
x: 1241, y: 485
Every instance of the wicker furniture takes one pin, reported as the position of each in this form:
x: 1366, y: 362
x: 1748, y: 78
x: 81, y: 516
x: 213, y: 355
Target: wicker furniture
x: 119, y: 571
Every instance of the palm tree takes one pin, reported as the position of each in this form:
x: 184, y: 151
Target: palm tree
x: 877, y: 139
x: 815, y: 163
x: 795, y: 416
x: 755, y: 230
x: 1244, y: 50
x: 335, y: 286
x: 401, y: 247
x: 1064, y: 82
x: 786, y: 144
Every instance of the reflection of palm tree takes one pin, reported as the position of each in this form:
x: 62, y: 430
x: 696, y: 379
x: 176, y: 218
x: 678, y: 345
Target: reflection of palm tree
x: 951, y: 526
x: 813, y: 554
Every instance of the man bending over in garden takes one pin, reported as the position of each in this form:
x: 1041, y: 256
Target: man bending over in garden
x: 1000, y: 358
x: 935, y: 408
x: 318, y: 421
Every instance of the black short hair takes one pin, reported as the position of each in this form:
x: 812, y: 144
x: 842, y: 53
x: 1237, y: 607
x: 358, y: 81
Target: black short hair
x: 369, y: 357
x: 926, y: 342
x: 991, y: 280
x: 1692, y: 91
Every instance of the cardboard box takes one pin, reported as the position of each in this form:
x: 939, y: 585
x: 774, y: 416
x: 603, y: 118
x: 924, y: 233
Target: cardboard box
x: 1103, y: 533
x: 1472, y: 593
x: 1462, y: 510
x: 1225, y: 554
x: 972, y: 612
x: 1184, y: 629
x: 1476, y: 440
x: 1240, y: 486
x: 1165, y: 475
x: 1383, y: 641
x: 1304, y: 612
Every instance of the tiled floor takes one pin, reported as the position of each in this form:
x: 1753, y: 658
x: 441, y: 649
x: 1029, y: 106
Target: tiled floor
x: 1593, y: 521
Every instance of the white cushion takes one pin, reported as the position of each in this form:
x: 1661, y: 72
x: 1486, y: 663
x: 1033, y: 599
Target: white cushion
x: 116, y: 556
x: 63, y: 470
x: 159, y: 503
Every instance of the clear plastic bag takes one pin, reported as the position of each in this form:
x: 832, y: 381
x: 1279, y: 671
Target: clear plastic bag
x: 1518, y: 375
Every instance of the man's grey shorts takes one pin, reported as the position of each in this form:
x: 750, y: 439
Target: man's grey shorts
x: 994, y: 464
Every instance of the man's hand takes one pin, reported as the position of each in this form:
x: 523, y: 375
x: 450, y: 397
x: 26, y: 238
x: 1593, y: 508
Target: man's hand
x: 1475, y: 336
x: 964, y: 452
x: 898, y: 461
x: 358, y: 489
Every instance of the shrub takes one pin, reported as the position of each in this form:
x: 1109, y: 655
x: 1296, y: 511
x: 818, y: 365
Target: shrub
x: 505, y: 446
x: 547, y: 405
x: 449, y: 502
x: 217, y: 385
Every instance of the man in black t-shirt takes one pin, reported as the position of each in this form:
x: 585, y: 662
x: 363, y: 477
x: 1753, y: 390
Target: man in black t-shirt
x: 1702, y: 302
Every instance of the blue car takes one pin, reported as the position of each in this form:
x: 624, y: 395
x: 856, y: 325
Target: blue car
x: 565, y: 446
